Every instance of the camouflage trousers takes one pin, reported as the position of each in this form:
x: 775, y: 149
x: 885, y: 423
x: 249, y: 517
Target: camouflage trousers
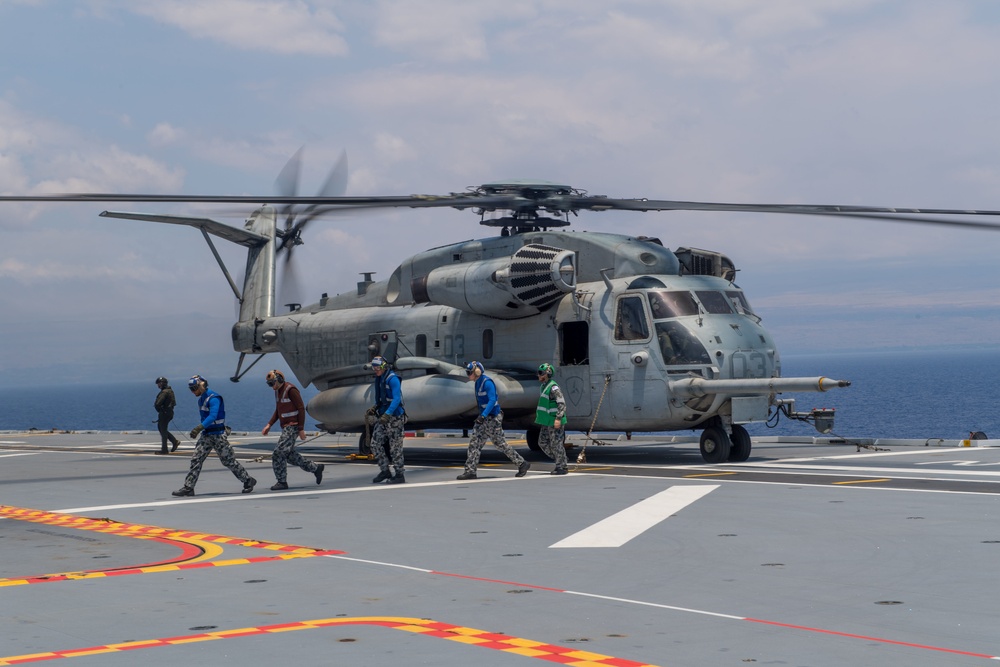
x: 286, y: 453
x: 551, y: 441
x: 391, y: 434
x: 206, y: 443
x: 489, y: 429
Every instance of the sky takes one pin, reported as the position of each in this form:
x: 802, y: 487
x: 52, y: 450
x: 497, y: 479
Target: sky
x: 865, y: 102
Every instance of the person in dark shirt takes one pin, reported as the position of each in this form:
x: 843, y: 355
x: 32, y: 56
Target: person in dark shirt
x: 164, y: 404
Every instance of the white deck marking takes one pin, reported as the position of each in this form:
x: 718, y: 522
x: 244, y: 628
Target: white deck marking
x: 236, y: 496
x: 619, y: 528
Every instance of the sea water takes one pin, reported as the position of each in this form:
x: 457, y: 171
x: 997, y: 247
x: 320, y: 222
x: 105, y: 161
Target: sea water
x: 911, y: 394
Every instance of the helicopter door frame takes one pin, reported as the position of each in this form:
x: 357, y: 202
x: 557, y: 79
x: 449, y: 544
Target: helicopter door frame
x: 573, y: 371
x: 638, y: 390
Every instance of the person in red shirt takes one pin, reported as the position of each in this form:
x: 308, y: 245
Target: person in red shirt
x: 290, y: 413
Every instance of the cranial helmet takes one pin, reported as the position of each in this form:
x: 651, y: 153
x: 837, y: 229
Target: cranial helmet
x: 546, y: 369
x: 379, y: 362
x: 275, y: 377
x: 471, y: 367
x: 161, y: 380
x: 196, y: 380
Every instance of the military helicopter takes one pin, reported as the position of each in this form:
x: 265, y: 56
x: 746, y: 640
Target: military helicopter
x: 643, y: 338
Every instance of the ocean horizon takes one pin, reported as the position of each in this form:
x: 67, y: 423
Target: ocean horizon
x: 904, y: 394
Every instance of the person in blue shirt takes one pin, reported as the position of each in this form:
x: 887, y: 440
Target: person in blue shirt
x: 489, y: 424
x: 211, y: 434
x: 389, y: 426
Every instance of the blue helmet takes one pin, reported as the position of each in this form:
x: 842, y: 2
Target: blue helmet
x: 471, y: 367
x: 195, y: 381
x: 379, y: 362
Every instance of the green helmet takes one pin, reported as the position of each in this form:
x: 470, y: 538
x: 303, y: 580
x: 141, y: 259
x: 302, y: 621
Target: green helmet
x: 546, y: 369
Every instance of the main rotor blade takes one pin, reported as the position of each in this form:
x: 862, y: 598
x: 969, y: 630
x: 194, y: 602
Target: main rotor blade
x: 460, y: 201
x: 892, y: 214
x: 599, y: 203
x: 326, y: 204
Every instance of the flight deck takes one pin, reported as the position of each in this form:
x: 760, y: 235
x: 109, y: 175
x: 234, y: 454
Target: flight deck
x: 806, y: 554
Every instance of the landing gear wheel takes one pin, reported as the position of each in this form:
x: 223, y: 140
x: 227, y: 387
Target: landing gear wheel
x: 715, y: 445
x: 531, y: 435
x: 364, y: 444
x: 740, y: 451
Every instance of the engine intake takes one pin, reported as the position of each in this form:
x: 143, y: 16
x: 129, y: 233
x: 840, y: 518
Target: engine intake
x: 524, y: 284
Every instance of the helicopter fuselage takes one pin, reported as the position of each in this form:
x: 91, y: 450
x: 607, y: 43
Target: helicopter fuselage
x: 622, y: 319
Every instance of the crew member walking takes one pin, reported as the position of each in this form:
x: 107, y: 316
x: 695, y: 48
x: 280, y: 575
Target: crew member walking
x: 551, y: 414
x: 489, y: 425
x: 290, y: 413
x: 164, y: 404
x: 389, y: 427
x: 211, y: 434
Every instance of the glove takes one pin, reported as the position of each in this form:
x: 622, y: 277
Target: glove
x: 195, y: 431
x: 479, y: 420
x: 384, y: 418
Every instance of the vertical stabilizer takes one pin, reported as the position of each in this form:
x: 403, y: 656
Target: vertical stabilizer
x: 258, y: 285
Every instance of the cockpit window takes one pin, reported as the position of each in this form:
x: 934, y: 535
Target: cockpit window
x: 679, y: 346
x: 715, y: 302
x: 630, y: 323
x: 740, y: 303
x: 664, y: 304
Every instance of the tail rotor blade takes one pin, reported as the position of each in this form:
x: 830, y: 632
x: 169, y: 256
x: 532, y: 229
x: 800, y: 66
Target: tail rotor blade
x: 334, y: 186
x: 290, y: 290
x: 336, y: 180
x: 287, y: 185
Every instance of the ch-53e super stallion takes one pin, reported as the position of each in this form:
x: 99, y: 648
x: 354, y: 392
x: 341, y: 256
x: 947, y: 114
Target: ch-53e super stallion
x: 643, y: 338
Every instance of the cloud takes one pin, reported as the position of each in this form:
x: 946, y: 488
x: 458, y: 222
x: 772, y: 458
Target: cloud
x: 886, y: 300
x: 110, y: 169
x: 393, y: 148
x: 52, y: 271
x: 446, y: 31
x: 288, y: 27
x: 164, y: 134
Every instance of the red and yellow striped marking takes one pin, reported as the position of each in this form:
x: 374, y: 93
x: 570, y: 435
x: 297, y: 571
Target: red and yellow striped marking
x: 197, y: 549
x: 505, y: 643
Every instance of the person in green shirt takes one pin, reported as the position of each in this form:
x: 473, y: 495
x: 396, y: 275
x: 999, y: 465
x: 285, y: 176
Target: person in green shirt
x: 551, y: 415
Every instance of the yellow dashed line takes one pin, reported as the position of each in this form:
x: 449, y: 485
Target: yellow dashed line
x: 865, y: 481
x: 208, y: 546
x: 427, y: 627
x: 711, y: 474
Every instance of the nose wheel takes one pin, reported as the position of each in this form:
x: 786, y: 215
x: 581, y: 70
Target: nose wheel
x: 715, y: 445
